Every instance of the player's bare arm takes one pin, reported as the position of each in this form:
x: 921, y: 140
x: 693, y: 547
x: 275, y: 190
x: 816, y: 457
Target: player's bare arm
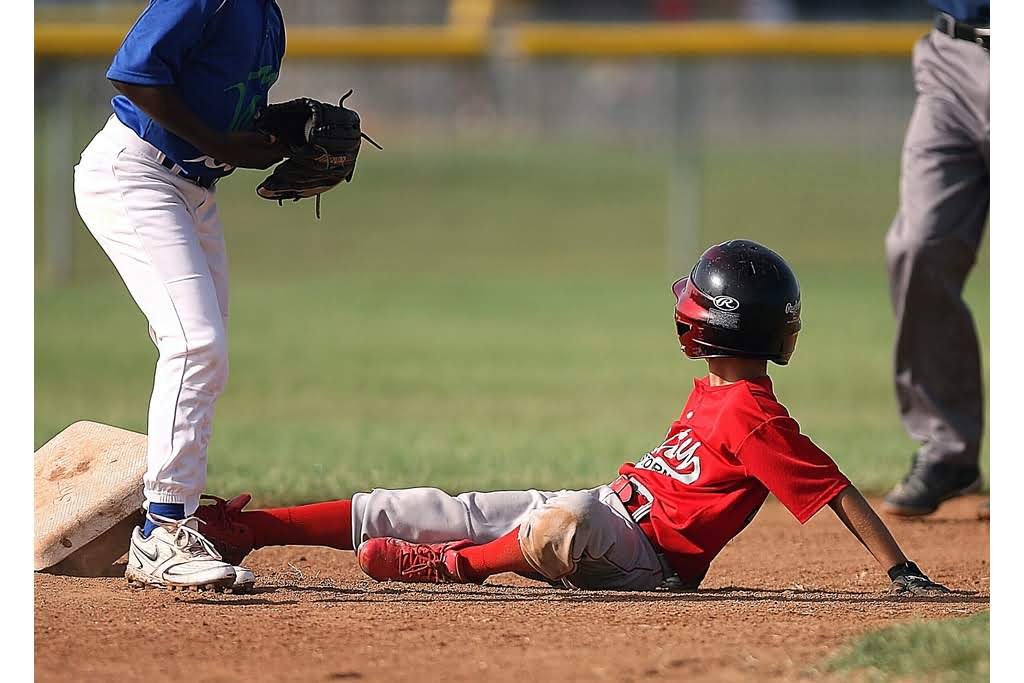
x: 862, y: 521
x: 242, y: 148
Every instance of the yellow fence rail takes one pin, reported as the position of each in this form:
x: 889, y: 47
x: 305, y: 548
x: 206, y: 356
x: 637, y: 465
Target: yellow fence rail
x: 60, y: 40
x: 704, y: 39
x: 714, y: 39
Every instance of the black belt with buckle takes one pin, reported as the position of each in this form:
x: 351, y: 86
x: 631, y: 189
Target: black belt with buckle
x: 947, y: 23
x: 205, y: 183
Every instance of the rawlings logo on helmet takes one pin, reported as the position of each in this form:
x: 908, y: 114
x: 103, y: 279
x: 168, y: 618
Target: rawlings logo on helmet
x: 726, y: 303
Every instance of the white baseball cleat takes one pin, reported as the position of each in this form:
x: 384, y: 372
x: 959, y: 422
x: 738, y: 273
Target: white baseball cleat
x: 245, y: 579
x: 176, y: 557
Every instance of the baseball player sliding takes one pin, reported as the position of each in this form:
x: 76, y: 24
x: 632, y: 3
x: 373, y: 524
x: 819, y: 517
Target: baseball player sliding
x: 663, y: 520
x: 193, y: 78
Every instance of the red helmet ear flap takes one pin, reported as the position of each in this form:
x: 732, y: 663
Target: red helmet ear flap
x: 691, y: 304
x: 679, y: 286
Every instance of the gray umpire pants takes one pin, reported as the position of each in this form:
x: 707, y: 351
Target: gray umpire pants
x: 932, y: 246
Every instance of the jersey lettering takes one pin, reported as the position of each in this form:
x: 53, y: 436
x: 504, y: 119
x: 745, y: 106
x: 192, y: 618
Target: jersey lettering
x: 676, y: 458
x: 249, y: 98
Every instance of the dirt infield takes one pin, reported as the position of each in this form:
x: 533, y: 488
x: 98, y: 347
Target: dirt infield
x: 777, y: 601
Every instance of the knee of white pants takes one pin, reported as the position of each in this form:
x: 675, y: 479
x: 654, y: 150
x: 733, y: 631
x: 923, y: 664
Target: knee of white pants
x: 550, y: 533
x: 204, y: 353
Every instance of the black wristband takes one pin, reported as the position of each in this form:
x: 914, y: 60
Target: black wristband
x: 907, y: 568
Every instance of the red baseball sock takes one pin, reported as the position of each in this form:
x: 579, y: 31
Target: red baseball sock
x: 327, y: 524
x: 502, y: 555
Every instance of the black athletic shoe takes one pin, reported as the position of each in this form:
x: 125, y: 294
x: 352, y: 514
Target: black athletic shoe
x: 928, y: 485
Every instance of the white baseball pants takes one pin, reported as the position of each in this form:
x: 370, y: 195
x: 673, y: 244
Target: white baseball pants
x: 164, y: 237
x: 585, y: 539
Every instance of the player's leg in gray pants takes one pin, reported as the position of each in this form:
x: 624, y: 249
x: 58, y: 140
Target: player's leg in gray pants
x: 584, y: 538
x: 932, y: 246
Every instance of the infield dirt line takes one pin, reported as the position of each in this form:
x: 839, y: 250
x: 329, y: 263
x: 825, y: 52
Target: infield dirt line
x: 777, y: 603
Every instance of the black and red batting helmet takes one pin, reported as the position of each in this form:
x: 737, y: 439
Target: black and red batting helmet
x: 741, y: 300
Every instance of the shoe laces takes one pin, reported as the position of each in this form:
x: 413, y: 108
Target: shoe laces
x: 188, y: 538
x: 420, y: 559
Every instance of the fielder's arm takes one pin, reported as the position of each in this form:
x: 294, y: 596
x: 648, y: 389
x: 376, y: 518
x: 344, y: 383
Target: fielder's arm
x: 862, y: 521
x: 247, y: 149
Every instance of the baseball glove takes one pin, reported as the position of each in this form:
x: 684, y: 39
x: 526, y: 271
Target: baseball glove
x: 323, y: 141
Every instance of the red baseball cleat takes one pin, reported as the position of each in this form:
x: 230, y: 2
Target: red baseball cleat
x: 391, y: 559
x: 222, y: 527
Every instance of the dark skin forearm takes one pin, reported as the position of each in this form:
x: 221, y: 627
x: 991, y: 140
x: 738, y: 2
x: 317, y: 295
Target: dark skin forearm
x: 164, y: 105
x: 859, y: 517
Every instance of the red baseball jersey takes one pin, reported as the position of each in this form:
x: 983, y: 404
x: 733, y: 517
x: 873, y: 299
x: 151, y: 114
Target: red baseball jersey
x: 731, y: 446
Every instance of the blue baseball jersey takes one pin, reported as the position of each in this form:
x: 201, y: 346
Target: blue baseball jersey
x: 221, y: 55
x: 970, y: 11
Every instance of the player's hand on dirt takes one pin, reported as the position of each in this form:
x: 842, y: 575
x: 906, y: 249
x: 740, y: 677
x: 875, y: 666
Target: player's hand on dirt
x: 908, y: 579
x: 249, y: 149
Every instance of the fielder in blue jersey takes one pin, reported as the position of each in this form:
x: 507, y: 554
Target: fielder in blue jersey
x: 191, y: 74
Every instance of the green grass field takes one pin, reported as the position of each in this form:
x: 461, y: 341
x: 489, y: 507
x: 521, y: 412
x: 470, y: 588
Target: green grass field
x: 943, y: 651
x: 499, y: 319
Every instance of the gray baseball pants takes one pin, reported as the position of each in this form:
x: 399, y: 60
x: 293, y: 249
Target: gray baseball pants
x: 585, y: 539
x: 932, y: 246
